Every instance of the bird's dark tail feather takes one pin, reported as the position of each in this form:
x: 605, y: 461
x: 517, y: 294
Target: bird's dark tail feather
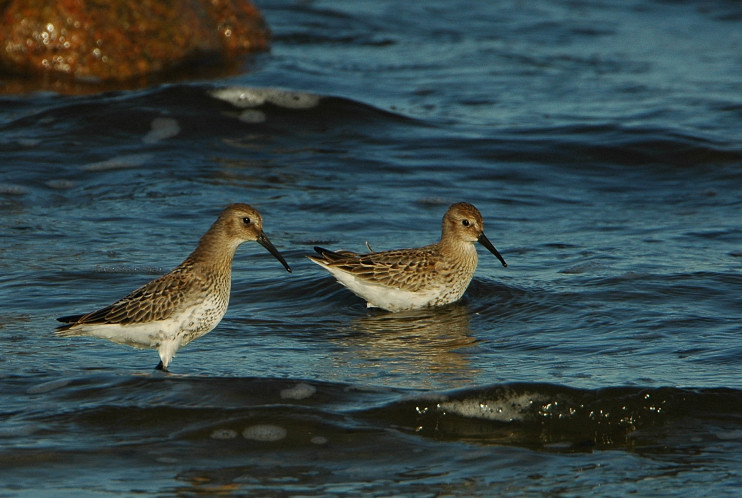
x: 69, y: 319
x: 334, y: 255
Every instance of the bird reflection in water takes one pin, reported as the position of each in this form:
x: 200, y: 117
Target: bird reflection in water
x: 423, y: 346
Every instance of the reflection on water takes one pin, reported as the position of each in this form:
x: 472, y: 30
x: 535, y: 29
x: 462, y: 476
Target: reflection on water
x: 421, y: 343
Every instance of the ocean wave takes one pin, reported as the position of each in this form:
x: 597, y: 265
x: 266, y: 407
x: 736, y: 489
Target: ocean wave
x: 536, y: 415
x: 551, y: 416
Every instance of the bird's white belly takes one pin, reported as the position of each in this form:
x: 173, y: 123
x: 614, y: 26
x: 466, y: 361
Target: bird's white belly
x: 138, y: 335
x: 393, y: 298
x: 181, y: 328
x: 200, y: 319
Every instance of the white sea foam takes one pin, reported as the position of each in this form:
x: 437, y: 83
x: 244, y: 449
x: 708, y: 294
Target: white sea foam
x: 508, y: 409
x: 247, y: 97
x: 252, y: 116
x: 10, y: 189
x: 299, y: 391
x: 60, y: 184
x: 126, y: 161
x: 29, y: 142
x: 223, y: 434
x: 162, y: 129
x: 264, y: 432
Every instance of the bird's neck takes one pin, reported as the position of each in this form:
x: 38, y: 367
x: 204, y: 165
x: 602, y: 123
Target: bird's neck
x: 214, y: 250
x: 459, y: 250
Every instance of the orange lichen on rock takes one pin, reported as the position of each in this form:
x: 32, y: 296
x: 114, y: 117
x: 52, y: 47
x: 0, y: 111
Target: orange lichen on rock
x: 119, y: 40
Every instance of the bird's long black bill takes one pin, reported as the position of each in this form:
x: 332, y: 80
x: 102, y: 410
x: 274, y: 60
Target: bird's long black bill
x: 486, y: 243
x: 263, y: 241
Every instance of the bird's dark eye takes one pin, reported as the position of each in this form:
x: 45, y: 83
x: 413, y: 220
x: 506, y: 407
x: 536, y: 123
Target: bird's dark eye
x: 465, y: 223
x: 246, y: 220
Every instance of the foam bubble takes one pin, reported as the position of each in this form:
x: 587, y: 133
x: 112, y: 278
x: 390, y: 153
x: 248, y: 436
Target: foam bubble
x: 252, y: 116
x: 29, y: 142
x: 60, y: 184
x: 264, y: 432
x: 10, y: 189
x: 162, y: 128
x: 223, y: 434
x: 507, y: 409
x: 299, y: 391
x: 319, y: 440
x: 247, y: 97
x: 126, y: 161
x: 730, y: 435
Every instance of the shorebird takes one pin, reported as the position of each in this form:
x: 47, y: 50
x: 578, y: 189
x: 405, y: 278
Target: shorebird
x: 406, y: 279
x: 184, y: 304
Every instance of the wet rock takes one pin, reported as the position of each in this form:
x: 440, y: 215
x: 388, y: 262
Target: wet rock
x: 119, y: 40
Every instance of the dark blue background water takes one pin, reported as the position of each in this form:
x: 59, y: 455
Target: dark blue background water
x: 601, y: 142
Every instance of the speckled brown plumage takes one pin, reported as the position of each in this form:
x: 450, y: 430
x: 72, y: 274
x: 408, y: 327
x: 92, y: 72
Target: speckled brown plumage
x: 157, y: 300
x: 431, y: 275
x: 184, y: 304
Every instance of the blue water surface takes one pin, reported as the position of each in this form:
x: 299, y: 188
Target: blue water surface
x: 600, y: 141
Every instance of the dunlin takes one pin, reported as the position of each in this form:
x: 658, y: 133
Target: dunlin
x: 406, y: 279
x: 185, y: 304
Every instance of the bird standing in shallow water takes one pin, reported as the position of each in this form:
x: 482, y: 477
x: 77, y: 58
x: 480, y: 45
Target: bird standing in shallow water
x: 184, y: 304
x: 406, y: 279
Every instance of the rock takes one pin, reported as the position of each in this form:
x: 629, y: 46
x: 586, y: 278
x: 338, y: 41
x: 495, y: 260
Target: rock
x: 101, y: 41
